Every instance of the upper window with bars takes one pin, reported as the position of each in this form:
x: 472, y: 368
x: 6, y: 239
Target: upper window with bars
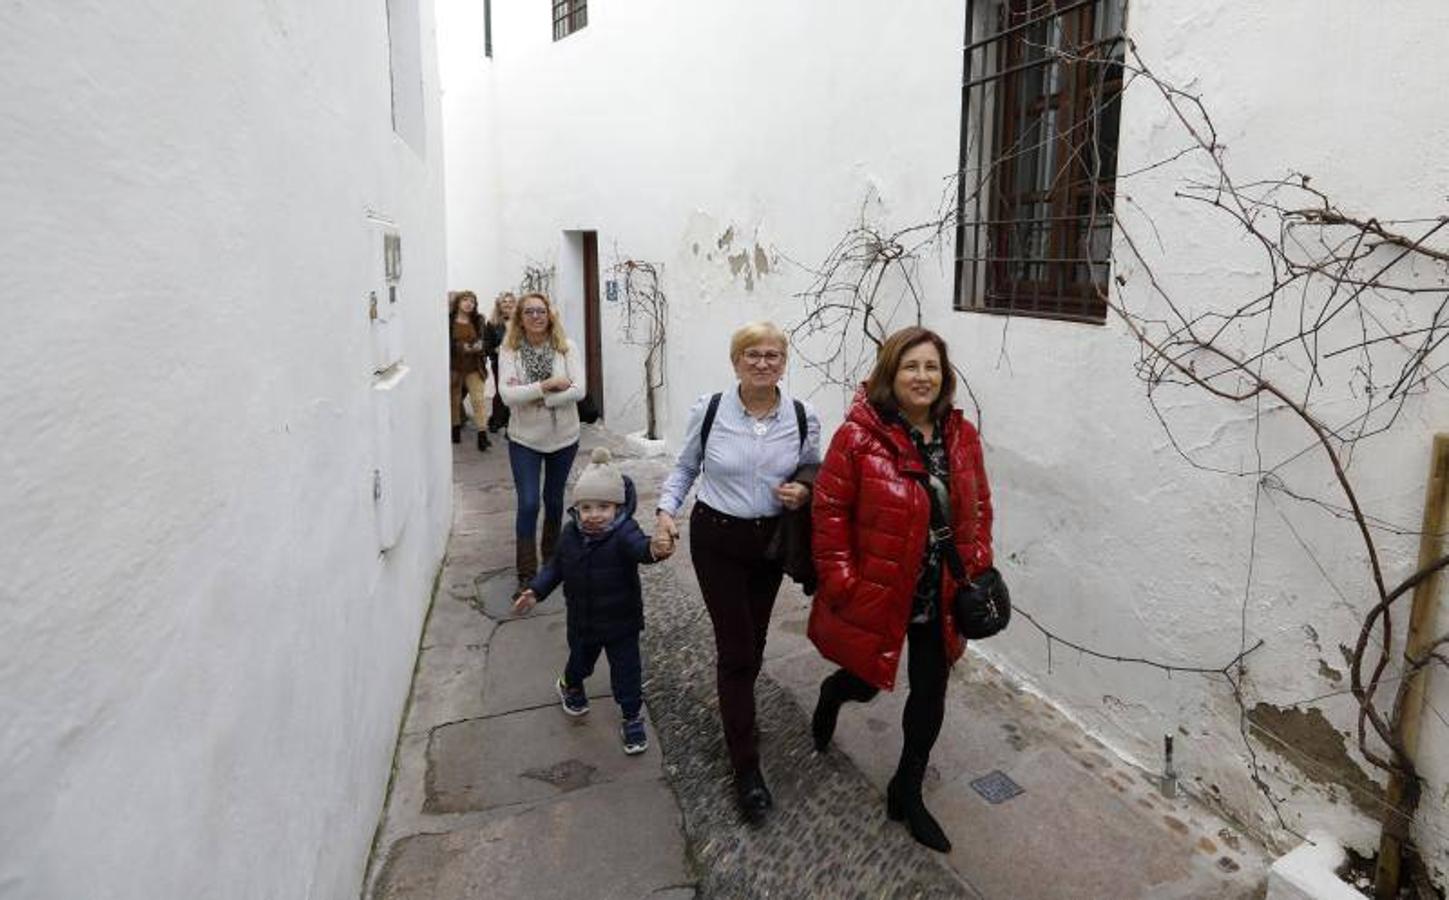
x: 569, y: 16
x: 1039, y: 113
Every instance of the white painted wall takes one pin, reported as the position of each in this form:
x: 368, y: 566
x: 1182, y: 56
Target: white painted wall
x: 203, y: 656
x: 687, y: 134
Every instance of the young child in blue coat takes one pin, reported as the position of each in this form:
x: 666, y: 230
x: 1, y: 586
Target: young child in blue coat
x: 597, y: 560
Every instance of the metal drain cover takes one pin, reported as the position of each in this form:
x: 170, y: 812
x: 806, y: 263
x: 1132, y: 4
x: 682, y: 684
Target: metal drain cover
x: 996, y: 787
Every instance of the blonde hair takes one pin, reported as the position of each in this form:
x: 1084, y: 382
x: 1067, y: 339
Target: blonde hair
x: 556, y: 334
x: 497, y: 317
x: 752, y: 333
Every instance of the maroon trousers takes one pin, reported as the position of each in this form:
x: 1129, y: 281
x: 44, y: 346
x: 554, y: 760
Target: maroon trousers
x: 739, y: 587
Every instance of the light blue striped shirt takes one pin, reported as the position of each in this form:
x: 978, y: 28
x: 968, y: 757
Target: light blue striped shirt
x: 745, y: 463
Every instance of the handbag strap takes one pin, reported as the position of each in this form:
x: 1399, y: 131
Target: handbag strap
x: 942, y: 533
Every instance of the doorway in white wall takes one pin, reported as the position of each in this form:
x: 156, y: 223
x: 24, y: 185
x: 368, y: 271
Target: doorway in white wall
x: 578, y: 287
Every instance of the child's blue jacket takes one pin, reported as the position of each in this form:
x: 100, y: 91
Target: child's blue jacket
x: 600, y: 575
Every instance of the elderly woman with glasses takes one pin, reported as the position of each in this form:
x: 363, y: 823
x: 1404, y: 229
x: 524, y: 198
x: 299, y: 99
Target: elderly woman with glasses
x: 744, y: 447
x: 540, y: 377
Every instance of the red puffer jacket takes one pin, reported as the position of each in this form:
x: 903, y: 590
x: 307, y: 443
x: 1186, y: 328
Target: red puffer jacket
x: 870, y: 519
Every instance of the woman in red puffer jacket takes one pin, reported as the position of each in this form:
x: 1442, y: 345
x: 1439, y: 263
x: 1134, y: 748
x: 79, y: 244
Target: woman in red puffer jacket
x: 882, y: 576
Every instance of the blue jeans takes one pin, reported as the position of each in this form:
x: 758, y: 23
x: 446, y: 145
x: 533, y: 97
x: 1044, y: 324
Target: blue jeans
x: 528, y: 465
x: 626, y: 671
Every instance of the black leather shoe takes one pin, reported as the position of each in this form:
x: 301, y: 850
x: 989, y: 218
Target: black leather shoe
x: 457, y: 434
x: 753, y: 796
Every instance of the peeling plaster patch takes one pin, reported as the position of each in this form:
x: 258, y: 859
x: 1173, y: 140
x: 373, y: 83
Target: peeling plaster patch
x: 738, y: 262
x: 727, y: 238
x: 1312, y: 634
x: 1310, y: 735
x: 1329, y: 672
x: 695, y: 248
x: 762, y: 262
x: 1347, y: 652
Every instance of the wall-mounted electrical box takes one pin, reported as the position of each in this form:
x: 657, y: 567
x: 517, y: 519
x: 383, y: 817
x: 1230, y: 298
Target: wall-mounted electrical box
x: 393, y: 476
x: 383, y: 309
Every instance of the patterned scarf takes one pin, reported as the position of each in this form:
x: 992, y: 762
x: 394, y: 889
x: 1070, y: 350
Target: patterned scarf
x: 537, y: 361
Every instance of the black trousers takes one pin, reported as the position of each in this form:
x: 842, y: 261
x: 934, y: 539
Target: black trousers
x: 927, y: 669
x: 739, y: 586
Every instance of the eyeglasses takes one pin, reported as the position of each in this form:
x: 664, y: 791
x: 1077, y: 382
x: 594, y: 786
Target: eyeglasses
x: 768, y: 357
x: 535, y: 312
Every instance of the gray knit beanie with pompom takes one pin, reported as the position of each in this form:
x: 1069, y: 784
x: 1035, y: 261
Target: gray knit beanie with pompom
x: 600, y: 480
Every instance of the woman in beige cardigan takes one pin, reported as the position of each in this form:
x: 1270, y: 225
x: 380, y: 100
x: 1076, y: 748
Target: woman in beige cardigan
x: 540, y: 375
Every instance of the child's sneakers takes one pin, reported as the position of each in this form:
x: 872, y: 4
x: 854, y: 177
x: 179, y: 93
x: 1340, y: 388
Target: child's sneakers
x: 635, y: 739
x: 575, y: 701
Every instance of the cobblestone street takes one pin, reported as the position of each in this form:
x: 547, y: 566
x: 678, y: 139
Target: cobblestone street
x: 497, y: 794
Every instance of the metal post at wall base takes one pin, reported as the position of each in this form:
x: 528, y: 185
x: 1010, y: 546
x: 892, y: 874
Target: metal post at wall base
x: 1388, y: 874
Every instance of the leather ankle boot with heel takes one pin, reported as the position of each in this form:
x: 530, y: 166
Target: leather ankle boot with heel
x: 548, y: 540
x: 903, y: 802
x: 827, y: 711
x: 525, y: 563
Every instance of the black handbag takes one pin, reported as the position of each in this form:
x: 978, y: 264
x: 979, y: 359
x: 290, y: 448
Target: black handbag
x: 588, y: 410
x: 982, y: 608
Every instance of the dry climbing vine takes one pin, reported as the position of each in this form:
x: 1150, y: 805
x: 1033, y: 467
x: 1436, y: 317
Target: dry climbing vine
x: 1348, y: 310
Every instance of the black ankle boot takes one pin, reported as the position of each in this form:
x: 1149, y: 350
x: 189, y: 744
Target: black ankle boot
x: 903, y: 801
x: 827, y: 710
x: 457, y: 434
x: 483, y: 441
x: 752, y: 795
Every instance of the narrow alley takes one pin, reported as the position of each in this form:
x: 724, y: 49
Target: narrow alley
x: 498, y: 794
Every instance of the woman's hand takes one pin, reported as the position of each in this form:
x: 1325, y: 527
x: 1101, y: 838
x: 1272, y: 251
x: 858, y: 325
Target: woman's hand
x: 555, y: 384
x: 792, y: 495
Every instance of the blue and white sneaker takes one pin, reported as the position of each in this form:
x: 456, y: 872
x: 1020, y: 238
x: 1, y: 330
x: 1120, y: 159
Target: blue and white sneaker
x: 575, y: 702
x: 635, y: 738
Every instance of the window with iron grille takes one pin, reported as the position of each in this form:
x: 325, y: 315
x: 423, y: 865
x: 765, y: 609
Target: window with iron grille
x: 1039, y: 113
x: 569, y: 16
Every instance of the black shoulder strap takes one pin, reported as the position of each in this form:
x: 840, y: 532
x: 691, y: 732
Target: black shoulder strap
x: 709, y: 412
x: 713, y: 408
x: 942, y: 533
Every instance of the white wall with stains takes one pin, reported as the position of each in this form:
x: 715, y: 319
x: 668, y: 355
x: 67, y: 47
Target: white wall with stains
x: 736, y: 143
x: 204, y: 654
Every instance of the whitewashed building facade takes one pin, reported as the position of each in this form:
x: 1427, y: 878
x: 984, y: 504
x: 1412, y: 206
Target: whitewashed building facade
x: 226, y: 487
x: 735, y: 145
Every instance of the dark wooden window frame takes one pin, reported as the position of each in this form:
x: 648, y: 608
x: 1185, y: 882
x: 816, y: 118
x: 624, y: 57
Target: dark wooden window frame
x: 1040, y: 95
x: 569, y: 16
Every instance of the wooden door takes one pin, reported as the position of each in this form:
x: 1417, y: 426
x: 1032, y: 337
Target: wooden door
x: 593, y: 330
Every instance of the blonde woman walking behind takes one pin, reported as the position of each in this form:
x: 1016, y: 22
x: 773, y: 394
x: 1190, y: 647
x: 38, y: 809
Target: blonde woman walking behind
x: 539, y: 375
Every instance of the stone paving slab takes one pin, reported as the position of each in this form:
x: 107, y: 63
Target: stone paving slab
x: 495, y: 592
x: 608, y: 841
x: 529, y: 756
x: 448, y: 685
x: 525, y: 659
x: 455, y: 621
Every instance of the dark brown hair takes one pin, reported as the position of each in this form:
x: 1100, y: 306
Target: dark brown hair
x: 880, y: 386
